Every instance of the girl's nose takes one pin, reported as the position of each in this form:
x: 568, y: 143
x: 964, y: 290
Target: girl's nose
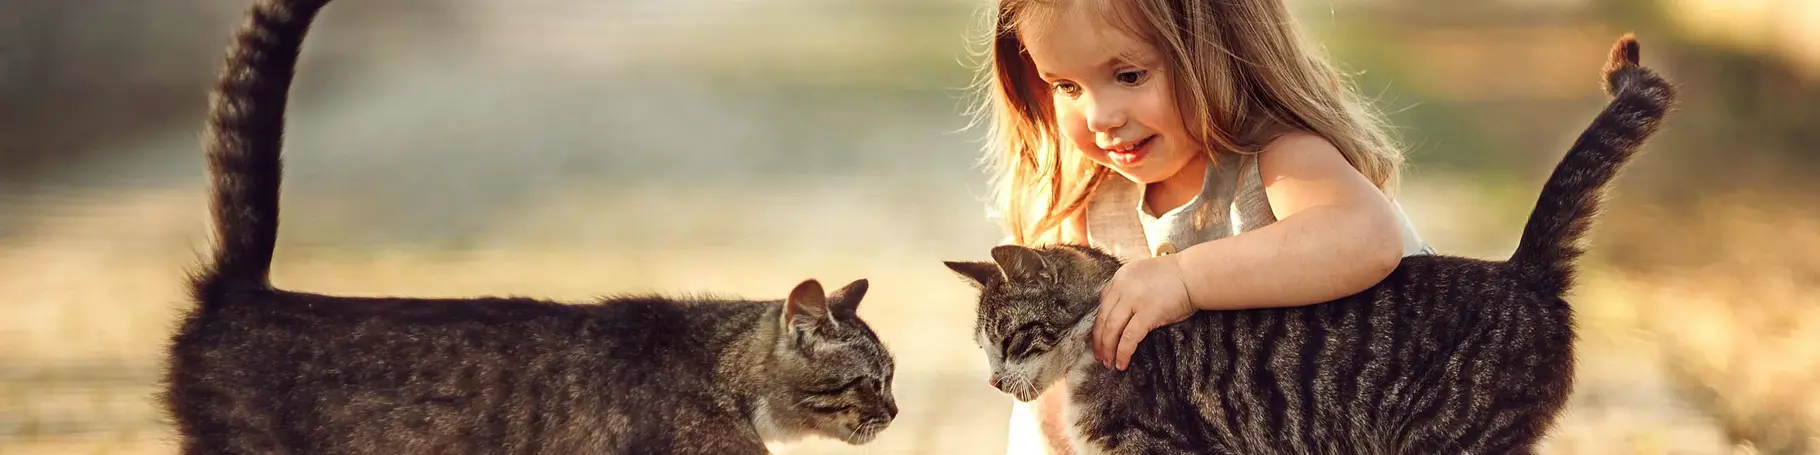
x: 1104, y: 120
x: 1104, y: 115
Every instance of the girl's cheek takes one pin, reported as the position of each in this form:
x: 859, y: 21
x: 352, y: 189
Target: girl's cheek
x: 1159, y: 102
x: 1074, y: 127
x: 1069, y: 119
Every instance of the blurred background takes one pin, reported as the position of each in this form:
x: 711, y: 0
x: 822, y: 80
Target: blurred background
x: 574, y: 148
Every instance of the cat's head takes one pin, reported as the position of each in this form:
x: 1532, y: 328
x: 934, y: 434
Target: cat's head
x: 1034, y: 311
x: 833, y: 375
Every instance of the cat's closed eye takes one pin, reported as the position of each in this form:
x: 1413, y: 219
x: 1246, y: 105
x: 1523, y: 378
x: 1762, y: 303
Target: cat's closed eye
x: 1039, y: 343
x: 834, y: 386
x: 1028, y: 343
x: 866, y: 382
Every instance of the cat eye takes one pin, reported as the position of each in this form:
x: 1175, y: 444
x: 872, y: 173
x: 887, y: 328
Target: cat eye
x: 1025, y: 343
x: 835, y: 389
x: 1039, y: 344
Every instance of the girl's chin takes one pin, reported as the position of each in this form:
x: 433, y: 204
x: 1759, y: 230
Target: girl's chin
x: 1140, y: 175
x: 1150, y: 170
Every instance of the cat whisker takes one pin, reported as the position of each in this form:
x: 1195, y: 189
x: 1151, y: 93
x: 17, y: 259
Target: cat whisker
x: 1027, y: 385
x: 855, y: 432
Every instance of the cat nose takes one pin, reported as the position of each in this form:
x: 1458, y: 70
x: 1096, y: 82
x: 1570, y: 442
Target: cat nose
x: 993, y: 380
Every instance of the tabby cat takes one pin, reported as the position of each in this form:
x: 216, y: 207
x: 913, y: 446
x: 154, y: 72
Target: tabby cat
x: 255, y: 369
x: 1446, y: 355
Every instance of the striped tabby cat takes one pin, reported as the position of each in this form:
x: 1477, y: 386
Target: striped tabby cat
x: 255, y: 369
x: 1446, y: 355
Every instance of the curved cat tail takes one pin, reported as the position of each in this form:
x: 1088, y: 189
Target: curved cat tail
x: 1571, y: 199
x: 242, y: 141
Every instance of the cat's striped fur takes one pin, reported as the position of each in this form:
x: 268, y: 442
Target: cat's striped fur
x: 254, y: 369
x: 1447, y: 355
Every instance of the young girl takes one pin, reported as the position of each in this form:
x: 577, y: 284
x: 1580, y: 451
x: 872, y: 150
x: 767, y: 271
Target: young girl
x: 1204, y: 141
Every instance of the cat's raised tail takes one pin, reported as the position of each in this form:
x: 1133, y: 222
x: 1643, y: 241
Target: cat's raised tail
x: 242, y: 141
x: 1571, y: 199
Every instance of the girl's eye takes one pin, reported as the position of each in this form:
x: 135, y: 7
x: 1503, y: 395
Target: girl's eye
x: 1132, y: 77
x: 1066, y: 88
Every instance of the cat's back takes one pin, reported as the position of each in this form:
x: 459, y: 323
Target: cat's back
x: 263, y: 320
x: 1443, y: 345
x: 1456, y: 297
x: 330, y: 322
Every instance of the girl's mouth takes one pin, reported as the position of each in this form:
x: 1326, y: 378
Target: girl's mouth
x: 1131, y: 155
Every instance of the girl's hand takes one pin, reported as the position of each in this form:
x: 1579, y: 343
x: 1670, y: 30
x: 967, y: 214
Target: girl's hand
x: 1142, y: 296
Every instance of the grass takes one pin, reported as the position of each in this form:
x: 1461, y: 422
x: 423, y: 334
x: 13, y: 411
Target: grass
x: 1735, y: 311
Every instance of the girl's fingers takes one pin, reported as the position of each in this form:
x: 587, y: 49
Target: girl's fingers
x: 1134, y: 331
x: 1107, y: 333
x: 1108, y: 299
x: 1100, y: 315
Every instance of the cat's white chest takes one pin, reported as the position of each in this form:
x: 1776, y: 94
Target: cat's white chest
x: 1072, y: 413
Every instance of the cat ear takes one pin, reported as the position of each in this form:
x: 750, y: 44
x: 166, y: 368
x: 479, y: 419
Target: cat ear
x: 845, y: 301
x: 976, y: 273
x: 1022, y: 264
x: 806, y: 307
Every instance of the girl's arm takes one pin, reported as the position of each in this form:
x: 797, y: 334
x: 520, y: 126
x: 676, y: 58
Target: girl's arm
x: 1336, y: 235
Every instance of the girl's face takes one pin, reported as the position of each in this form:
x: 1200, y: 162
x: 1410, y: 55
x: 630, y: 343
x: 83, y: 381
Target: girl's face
x: 1112, y: 98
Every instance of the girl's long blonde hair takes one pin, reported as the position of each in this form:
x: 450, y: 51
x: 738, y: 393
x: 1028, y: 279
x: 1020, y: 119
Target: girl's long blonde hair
x: 1242, y: 71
